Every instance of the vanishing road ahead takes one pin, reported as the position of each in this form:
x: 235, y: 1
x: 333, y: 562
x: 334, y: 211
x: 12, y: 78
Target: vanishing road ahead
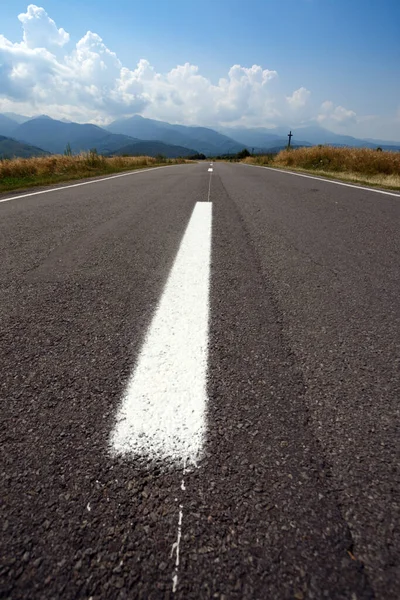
x: 200, y: 388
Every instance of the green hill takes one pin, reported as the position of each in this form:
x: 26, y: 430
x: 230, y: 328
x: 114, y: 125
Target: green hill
x: 10, y: 148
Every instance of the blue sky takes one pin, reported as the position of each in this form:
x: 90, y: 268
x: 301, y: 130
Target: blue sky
x: 345, y: 55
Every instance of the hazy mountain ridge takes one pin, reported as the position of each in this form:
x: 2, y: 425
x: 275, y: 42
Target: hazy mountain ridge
x: 203, y: 139
x: 53, y: 135
x: 17, y: 118
x: 123, y: 135
x: 302, y: 136
x: 11, y: 148
x: 7, y: 125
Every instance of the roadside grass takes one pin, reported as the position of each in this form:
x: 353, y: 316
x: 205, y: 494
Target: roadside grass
x: 355, y: 165
x: 20, y: 173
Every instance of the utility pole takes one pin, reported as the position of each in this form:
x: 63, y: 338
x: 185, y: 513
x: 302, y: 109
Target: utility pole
x: 290, y: 135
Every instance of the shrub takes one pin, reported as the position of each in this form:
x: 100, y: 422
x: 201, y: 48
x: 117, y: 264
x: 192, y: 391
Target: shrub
x: 243, y: 154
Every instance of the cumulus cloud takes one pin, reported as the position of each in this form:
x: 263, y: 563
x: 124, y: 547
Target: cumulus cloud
x: 46, y: 73
x: 329, y: 113
x: 299, y: 98
x: 185, y: 93
x: 39, y: 30
x: 84, y: 82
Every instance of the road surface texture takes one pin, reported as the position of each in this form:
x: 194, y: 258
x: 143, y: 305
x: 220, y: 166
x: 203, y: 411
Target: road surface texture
x: 296, y: 494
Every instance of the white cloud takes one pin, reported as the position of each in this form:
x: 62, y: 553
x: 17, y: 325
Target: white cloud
x: 39, y: 30
x: 329, y: 113
x: 40, y: 76
x: 184, y: 94
x: 299, y: 98
x: 45, y: 73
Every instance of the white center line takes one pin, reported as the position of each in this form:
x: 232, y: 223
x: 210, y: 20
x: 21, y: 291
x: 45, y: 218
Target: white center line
x: 210, y: 170
x: 163, y: 410
x: 209, y: 188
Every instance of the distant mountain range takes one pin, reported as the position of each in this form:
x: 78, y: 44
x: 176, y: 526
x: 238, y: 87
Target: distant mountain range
x: 137, y: 135
x: 7, y: 125
x: 204, y: 140
x: 54, y: 136
x: 302, y: 136
x: 17, y: 118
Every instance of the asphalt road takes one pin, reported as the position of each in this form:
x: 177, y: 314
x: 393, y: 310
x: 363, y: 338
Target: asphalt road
x: 296, y: 495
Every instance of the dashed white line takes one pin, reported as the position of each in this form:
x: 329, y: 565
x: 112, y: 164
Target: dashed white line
x: 209, y: 186
x: 163, y: 410
x: 162, y: 413
x: 210, y: 170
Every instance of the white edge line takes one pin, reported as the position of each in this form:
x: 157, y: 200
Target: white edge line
x: 66, y: 187
x: 350, y: 185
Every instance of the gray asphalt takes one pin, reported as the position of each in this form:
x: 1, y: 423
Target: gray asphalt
x: 297, y: 495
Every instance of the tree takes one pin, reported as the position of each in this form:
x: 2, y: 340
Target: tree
x: 243, y: 153
x: 68, y: 150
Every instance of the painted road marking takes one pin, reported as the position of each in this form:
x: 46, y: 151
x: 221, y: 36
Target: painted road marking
x: 74, y: 185
x: 350, y: 185
x: 163, y: 410
x: 210, y: 170
x: 176, y: 548
x: 209, y: 186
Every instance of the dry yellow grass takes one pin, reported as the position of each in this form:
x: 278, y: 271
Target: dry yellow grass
x: 360, y: 165
x: 26, y: 172
x: 354, y: 160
